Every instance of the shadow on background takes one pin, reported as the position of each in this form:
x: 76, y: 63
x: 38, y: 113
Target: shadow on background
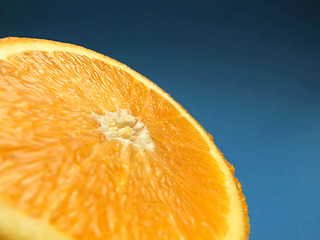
x: 248, y: 71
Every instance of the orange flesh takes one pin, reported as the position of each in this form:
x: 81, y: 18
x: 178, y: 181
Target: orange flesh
x: 55, y: 164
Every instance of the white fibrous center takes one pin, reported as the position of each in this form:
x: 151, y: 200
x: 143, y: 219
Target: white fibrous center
x: 122, y: 126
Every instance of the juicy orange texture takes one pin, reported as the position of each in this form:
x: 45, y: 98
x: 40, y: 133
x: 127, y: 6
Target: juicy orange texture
x: 56, y: 166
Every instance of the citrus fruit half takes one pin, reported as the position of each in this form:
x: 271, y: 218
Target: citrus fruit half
x: 90, y: 149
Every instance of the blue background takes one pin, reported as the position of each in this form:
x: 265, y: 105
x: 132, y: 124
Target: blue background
x: 248, y: 71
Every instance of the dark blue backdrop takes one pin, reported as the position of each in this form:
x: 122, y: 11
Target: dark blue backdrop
x: 248, y: 71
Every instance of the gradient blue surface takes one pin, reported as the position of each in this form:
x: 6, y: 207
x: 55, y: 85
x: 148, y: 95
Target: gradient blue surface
x: 248, y: 71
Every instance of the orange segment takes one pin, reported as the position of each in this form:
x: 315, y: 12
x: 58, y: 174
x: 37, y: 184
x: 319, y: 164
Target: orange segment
x: 90, y: 149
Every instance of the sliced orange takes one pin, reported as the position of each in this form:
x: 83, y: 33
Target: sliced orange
x: 90, y: 149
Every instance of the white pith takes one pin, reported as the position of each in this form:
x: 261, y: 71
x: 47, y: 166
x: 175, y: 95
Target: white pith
x: 122, y: 126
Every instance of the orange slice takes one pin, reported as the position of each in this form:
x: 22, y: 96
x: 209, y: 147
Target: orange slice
x: 90, y: 149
